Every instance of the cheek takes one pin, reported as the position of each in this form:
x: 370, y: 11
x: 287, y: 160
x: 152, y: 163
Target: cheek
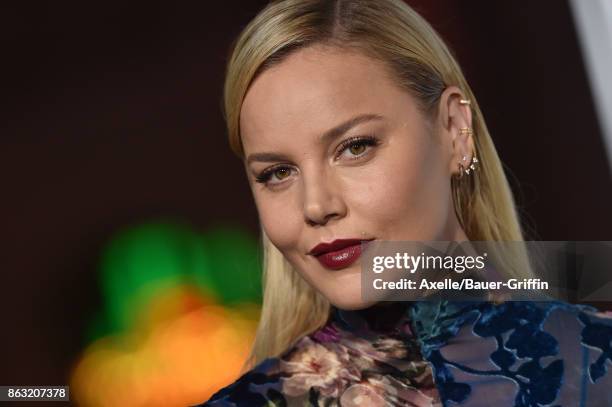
x: 280, y: 218
x: 403, y: 195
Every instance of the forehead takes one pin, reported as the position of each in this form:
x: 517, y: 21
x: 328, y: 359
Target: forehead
x: 315, y: 89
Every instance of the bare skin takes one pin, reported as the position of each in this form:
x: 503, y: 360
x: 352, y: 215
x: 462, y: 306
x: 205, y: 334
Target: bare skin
x: 392, y: 185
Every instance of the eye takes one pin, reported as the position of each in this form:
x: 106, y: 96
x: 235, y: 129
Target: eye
x: 357, y: 146
x: 278, y: 172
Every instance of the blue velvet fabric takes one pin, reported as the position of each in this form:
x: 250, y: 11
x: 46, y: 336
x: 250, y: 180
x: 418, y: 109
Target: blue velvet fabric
x: 517, y: 353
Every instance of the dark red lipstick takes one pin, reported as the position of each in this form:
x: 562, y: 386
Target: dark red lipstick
x: 338, y: 254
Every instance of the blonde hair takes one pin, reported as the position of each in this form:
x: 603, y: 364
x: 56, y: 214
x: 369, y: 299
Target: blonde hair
x: 392, y: 32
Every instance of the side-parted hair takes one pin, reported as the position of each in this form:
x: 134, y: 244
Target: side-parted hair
x: 392, y: 32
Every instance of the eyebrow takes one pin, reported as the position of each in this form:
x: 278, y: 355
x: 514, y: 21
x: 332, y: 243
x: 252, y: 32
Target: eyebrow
x: 328, y: 136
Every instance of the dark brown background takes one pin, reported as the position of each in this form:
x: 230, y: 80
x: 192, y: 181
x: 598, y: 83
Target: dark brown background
x: 112, y: 117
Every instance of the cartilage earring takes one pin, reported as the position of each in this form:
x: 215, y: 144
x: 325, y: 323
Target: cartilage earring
x: 466, y: 131
x: 465, y: 102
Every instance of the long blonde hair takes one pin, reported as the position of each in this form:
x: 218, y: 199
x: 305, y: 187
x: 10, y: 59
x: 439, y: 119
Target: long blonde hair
x: 392, y: 32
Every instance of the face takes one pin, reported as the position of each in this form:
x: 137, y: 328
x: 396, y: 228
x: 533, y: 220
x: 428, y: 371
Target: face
x: 335, y: 149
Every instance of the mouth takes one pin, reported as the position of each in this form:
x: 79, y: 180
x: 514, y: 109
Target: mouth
x: 338, y: 254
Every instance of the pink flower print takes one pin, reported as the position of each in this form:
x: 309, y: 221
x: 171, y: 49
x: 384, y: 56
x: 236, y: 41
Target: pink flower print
x: 381, y: 349
x: 361, y: 394
x: 328, y: 333
x: 391, y: 348
x: 313, y: 365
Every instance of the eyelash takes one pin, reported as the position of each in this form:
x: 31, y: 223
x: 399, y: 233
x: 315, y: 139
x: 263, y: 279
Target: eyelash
x: 370, y: 141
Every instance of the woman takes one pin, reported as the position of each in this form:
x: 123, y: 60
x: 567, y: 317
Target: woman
x: 355, y: 123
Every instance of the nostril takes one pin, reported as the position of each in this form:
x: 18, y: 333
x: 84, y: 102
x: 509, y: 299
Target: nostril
x: 330, y: 216
x: 326, y: 219
x: 311, y: 222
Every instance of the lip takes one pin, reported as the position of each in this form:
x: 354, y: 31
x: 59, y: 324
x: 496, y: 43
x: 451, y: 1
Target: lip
x: 339, y: 253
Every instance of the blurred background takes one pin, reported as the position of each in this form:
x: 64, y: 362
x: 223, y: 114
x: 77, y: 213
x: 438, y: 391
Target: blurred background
x: 129, y: 238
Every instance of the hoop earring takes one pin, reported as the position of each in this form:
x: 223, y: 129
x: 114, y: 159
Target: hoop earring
x: 472, y: 167
x: 474, y: 164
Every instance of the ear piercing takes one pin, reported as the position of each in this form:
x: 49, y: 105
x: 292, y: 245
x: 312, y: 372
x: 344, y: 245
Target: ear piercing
x: 465, y: 102
x: 472, y: 166
x: 468, y: 168
x: 466, y: 131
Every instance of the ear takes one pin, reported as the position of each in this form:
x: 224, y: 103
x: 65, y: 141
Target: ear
x: 453, y: 115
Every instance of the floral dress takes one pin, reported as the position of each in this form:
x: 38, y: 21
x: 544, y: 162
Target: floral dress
x: 440, y: 353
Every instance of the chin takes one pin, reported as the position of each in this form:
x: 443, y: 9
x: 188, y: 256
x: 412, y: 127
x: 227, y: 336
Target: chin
x: 343, y: 289
x: 350, y: 303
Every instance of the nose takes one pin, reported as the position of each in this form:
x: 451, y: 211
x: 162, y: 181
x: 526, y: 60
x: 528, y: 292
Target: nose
x: 323, y: 200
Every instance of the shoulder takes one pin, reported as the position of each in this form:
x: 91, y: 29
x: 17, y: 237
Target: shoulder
x: 335, y: 367
x: 527, y: 323
x: 289, y: 377
x: 535, y: 351
x: 271, y: 381
x: 258, y: 387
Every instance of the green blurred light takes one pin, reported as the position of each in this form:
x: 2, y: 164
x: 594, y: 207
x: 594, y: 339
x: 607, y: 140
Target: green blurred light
x: 235, y: 262
x: 144, y: 261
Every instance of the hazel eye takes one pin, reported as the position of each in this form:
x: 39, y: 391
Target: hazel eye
x: 281, y: 173
x: 273, y: 175
x: 357, y: 147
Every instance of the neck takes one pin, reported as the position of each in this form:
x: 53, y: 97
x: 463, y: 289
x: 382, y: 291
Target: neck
x: 382, y: 317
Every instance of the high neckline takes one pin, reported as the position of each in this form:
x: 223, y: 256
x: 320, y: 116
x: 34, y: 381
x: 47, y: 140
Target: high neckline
x: 381, y: 318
